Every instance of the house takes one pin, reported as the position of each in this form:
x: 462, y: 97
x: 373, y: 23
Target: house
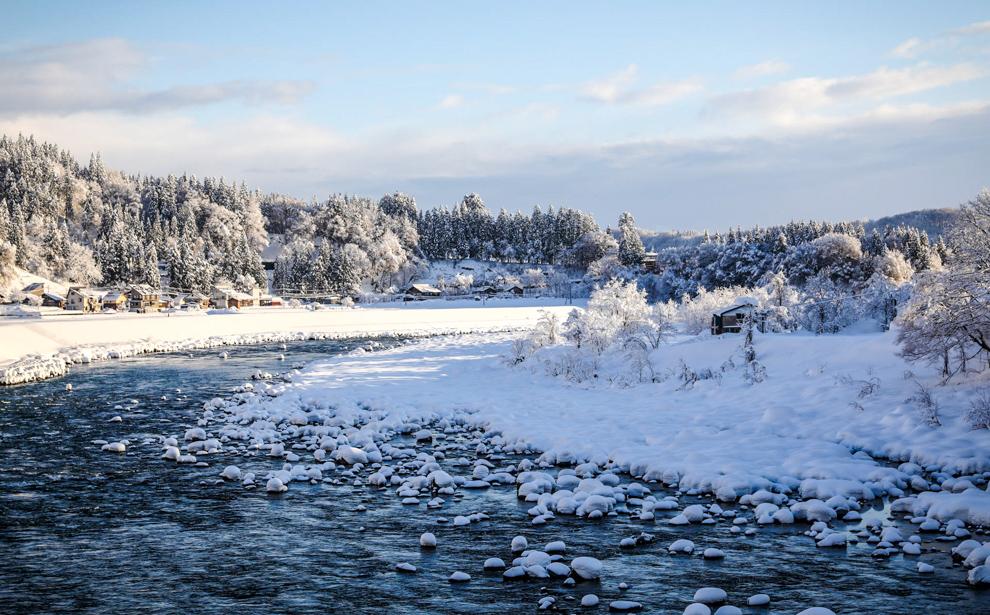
x: 196, y: 299
x: 143, y: 298
x: 733, y: 319
x: 422, y: 291
x: 114, y: 300
x: 83, y: 299
x: 489, y: 291
x: 52, y: 300
x: 649, y: 263
x: 271, y: 301
x: 226, y: 297
x: 514, y: 289
x: 35, y: 288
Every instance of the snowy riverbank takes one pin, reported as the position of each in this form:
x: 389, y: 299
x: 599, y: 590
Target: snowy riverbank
x: 33, y: 349
x: 831, y: 420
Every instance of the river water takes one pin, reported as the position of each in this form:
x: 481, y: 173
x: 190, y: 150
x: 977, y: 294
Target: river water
x: 83, y: 530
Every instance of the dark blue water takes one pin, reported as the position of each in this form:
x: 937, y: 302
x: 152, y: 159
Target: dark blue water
x: 82, y: 530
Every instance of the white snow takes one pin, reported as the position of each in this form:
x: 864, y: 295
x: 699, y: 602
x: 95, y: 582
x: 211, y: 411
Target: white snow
x: 35, y: 349
x: 793, y: 433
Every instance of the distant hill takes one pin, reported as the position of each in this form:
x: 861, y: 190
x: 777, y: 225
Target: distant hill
x: 935, y: 222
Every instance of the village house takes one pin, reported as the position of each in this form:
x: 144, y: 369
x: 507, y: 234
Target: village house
x: 83, y: 299
x: 50, y: 299
x: 143, y: 298
x: 226, y: 297
x: 422, y: 291
x: 267, y: 300
x: 114, y: 300
x: 650, y: 264
x: 197, y: 300
x: 514, y: 289
x: 733, y: 319
x: 35, y: 289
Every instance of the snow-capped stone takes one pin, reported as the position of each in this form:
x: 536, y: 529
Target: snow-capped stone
x: 459, y: 577
x: 624, y: 606
x: 405, y: 567
x: 728, y: 609
x: 979, y: 576
x: 275, y: 485
x: 494, y: 563
x: 925, y: 568
x: 697, y: 608
x: 427, y: 540
x: 114, y: 447
x: 587, y: 568
x: 681, y: 546
x: 589, y: 600
x: 519, y: 543
x: 758, y: 600
x: 710, y: 595
x: 231, y: 473
x: 712, y: 553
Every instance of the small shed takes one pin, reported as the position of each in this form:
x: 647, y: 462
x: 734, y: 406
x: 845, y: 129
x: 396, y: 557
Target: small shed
x: 733, y: 319
x: 143, y: 298
x: 114, y: 300
x: 267, y: 300
x: 422, y: 291
x: 83, y: 299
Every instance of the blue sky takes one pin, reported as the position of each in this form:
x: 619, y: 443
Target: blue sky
x: 699, y: 116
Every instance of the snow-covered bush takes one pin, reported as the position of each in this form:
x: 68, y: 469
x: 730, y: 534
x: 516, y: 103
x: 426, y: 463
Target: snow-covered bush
x: 978, y: 414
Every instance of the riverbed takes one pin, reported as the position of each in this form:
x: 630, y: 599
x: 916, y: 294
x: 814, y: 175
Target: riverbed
x: 86, y: 530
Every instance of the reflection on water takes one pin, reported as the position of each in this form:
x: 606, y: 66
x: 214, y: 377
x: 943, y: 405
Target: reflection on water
x: 86, y: 530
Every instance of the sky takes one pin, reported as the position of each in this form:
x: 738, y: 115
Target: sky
x: 689, y: 115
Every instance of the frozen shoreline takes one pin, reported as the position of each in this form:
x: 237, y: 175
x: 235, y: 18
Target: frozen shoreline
x: 35, y: 349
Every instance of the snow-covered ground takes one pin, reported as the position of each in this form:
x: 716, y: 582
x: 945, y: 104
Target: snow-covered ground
x: 831, y: 422
x: 84, y: 337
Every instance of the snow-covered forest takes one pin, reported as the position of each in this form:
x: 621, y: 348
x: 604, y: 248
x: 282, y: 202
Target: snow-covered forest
x: 87, y: 224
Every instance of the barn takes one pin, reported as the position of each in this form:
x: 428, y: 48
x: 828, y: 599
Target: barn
x: 422, y: 291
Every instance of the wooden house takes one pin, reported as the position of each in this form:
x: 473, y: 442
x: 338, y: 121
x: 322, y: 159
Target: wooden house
x: 226, y: 297
x: 49, y: 299
x: 83, y: 299
x: 514, y: 289
x: 422, y: 291
x: 733, y: 319
x: 143, y: 298
x: 267, y: 300
x: 488, y: 291
x: 196, y: 299
x: 649, y: 264
x: 115, y: 300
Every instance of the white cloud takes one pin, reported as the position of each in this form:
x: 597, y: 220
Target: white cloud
x: 909, y: 48
x: 98, y: 75
x: 451, y: 101
x: 763, y: 69
x: 790, y: 102
x: 618, y: 88
x: 977, y: 27
x: 913, y: 47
